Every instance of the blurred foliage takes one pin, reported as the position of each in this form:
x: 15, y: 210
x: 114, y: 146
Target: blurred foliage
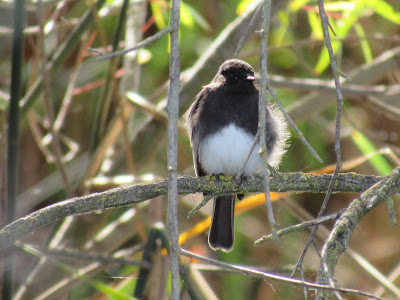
x: 135, y: 151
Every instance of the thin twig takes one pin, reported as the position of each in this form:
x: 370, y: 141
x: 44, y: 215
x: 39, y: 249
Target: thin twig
x: 249, y: 28
x: 67, y: 100
x: 339, y: 104
x: 49, y: 105
x: 294, y: 126
x: 266, y: 276
x: 327, y: 86
x: 299, y: 227
x: 87, y: 256
x: 60, y: 56
x: 255, y: 142
x: 262, y: 114
x: 142, y: 44
x: 324, y: 21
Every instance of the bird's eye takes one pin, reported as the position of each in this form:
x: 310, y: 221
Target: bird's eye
x: 233, y: 76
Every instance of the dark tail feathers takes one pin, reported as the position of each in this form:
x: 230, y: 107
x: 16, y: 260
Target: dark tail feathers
x: 221, y: 234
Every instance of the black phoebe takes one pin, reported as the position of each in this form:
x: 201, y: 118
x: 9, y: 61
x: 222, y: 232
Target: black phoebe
x: 222, y: 124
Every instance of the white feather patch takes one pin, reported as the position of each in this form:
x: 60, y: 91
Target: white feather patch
x: 226, y: 151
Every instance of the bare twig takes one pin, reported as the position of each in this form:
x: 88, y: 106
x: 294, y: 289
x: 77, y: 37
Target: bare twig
x: 293, y: 124
x: 339, y: 104
x: 311, y: 103
x: 299, y: 227
x: 49, y: 105
x: 250, y: 27
x: 267, y: 276
x: 60, y: 56
x: 262, y: 114
x: 324, y: 21
x: 142, y: 44
x: 348, y: 89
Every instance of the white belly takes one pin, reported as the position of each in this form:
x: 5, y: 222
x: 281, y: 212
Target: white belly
x: 226, y: 151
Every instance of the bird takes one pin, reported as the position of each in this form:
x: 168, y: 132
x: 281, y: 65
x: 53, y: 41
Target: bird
x: 222, y: 124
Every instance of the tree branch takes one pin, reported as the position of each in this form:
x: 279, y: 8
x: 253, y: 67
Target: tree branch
x: 212, y: 185
x: 340, y: 235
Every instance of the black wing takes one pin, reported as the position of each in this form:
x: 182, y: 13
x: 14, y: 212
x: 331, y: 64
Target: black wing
x: 194, y: 132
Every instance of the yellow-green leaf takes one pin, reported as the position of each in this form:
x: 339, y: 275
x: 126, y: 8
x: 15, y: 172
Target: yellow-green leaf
x: 186, y: 17
x: 385, y: 10
x: 366, y: 49
x: 380, y: 164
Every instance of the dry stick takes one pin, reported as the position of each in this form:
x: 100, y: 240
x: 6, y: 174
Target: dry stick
x: 173, y: 115
x: 135, y: 19
x: 266, y: 276
x: 60, y: 55
x: 67, y: 100
x: 262, y: 114
x: 49, y: 105
x: 54, y: 242
x: 97, y: 241
x: 142, y: 44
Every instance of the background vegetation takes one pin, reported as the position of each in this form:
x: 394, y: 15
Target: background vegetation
x: 88, y: 125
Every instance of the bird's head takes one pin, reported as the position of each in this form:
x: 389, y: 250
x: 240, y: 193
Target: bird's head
x: 235, y: 72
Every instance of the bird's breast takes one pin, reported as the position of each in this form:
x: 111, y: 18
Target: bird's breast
x: 226, y: 151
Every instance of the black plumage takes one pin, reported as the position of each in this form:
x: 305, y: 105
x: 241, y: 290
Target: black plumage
x: 222, y: 124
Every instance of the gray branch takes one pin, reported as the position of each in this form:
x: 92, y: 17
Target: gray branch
x: 173, y: 116
x: 339, y: 238
x: 213, y: 185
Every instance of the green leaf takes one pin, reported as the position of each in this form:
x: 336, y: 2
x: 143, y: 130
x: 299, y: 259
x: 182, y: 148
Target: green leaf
x: 186, y: 17
x: 366, y: 49
x: 297, y: 4
x: 340, y: 6
x: 196, y: 17
x: 380, y: 164
x: 242, y: 6
x: 341, y: 27
x: 160, y: 13
x: 3, y: 101
x: 315, y: 25
x: 280, y: 33
x: 385, y: 10
x: 117, y: 295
